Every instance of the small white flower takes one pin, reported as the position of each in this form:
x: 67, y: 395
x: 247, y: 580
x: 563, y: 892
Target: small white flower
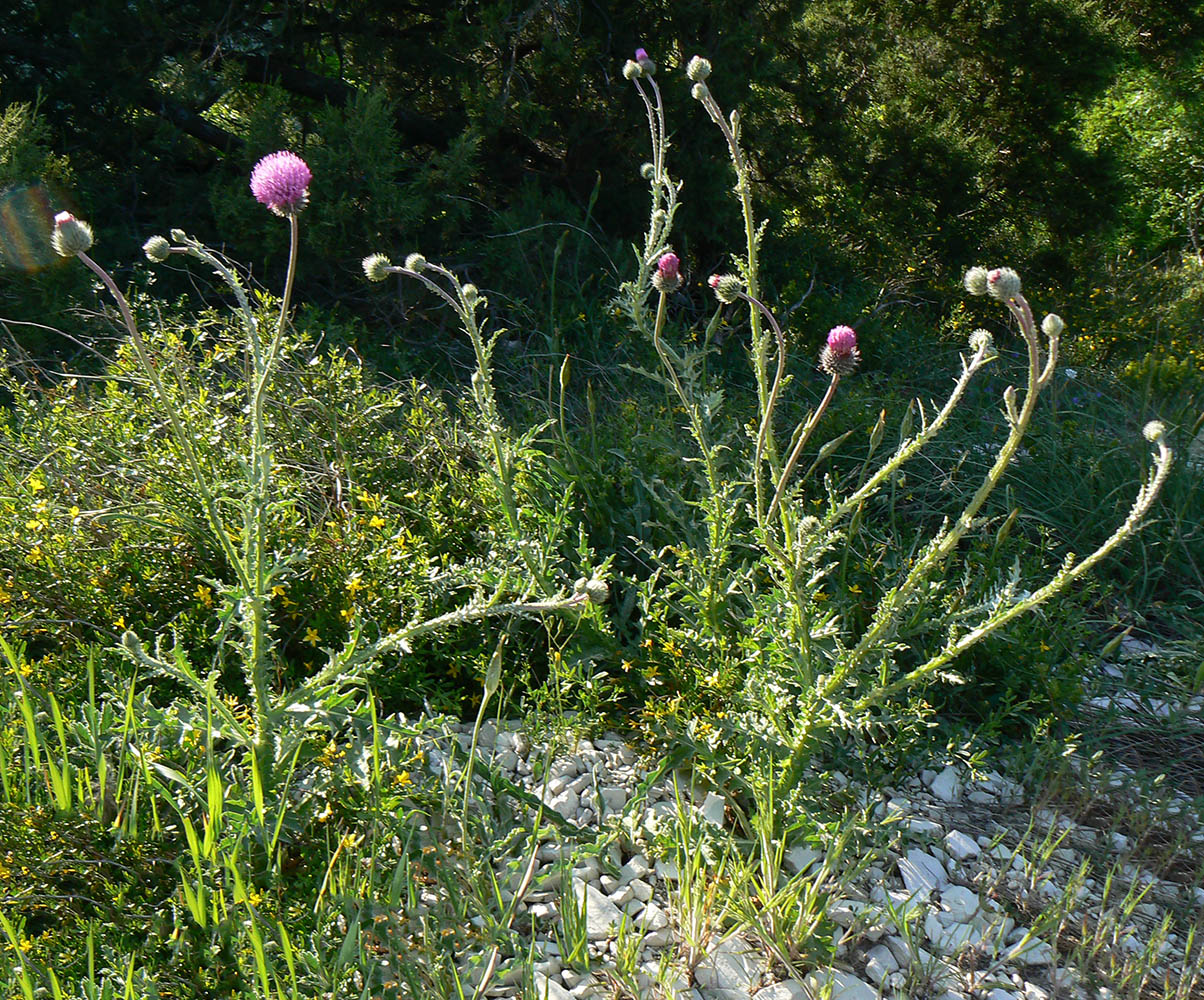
x: 1070, y: 372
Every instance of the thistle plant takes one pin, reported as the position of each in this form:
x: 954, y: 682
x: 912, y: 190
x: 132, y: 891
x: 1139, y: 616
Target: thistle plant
x: 281, y: 183
x: 852, y: 674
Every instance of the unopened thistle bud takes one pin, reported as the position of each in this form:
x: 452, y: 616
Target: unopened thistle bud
x: 644, y: 62
x: 727, y: 287
x: 631, y: 70
x: 1154, y: 431
x: 698, y: 69
x: 976, y: 281
x: 699, y: 91
x: 1003, y: 283
x: 157, y: 249
x: 471, y: 295
x: 376, y: 267
x: 1052, y: 325
x: 595, y: 591
x: 840, y: 355
x: 981, y: 342
x: 648, y: 171
x: 70, y: 236
x: 416, y: 262
x: 179, y: 236
x: 668, y: 274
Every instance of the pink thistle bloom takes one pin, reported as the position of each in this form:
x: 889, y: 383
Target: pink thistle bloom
x: 281, y: 182
x: 668, y: 273
x: 840, y: 355
x: 842, y: 339
x: 713, y: 281
x: 641, y: 55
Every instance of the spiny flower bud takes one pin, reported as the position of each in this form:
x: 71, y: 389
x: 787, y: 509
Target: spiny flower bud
x: 699, y: 91
x: 416, y: 262
x: 648, y: 171
x: 179, y: 236
x: 281, y: 182
x: 982, y: 342
x: 976, y: 281
x: 157, y: 249
x: 1154, y: 431
x: 840, y: 355
x: 1052, y: 325
x: 70, y: 236
x: 376, y: 267
x: 1003, y: 283
x: 595, y: 591
x: 471, y: 295
x: 668, y: 274
x: 727, y: 287
x: 698, y: 69
x: 645, y: 63
x: 631, y: 70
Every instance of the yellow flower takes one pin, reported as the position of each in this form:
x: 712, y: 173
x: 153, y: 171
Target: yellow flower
x: 119, y: 622
x: 127, y: 589
x: 403, y: 778
x: 354, y: 585
x: 36, y: 485
x: 311, y: 636
x: 73, y: 513
x: 376, y: 521
x: 204, y: 595
x: 278, y: 591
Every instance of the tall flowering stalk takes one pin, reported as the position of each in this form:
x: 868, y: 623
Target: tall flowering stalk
x: 281, y: 183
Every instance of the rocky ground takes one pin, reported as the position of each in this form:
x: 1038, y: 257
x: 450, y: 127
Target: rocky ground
x: 980, y: 886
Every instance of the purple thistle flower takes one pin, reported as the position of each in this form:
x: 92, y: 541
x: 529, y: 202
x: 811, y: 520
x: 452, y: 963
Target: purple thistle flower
x: 641, y: 55
x: 668, y: 273
x: 644, y: 61
x: 281, y: 182
x: 840, y: 355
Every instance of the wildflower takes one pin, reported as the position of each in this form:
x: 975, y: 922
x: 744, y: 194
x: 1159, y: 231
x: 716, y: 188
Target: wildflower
x: 1003, y: 283
x: 645, y: 63
x: 631, y: 70
x: 204, y: 595
x: 36, y: 485
x: 976, y: 281
x: 1070, y: 372
x: 281, y: 182
x: 727, y: 287
x: 1154, y: 431
x: 376, y: 267
x: 698, y: 69
x: 156, y: 249
x: 70, y: 236
x: 1052, y: 325
x: 840, y: 355
x: 312, y: 637
x: 982, y: 341
x: 668, y: 274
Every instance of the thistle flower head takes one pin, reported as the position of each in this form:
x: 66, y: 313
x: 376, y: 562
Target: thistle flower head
x: 727, y: 287
x: 840, y: 355
x: 982, y: 341
x: 1154, y: 431
x: 1003, y: 283
x: 647, y: 171
x: 699, y: 91
x: 157, y: 249
x: 471, y: 295
x: 631, y: 70
x: 976, y: 281
x: 416, y: 262
x: 698, y: 69
x: 1052, y: 325
x: 281, y: 182
x: 595, y: 591
x: 668, y: 273
x: 376, y: 267
x: 644, y: 62
x: 70, y: 236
